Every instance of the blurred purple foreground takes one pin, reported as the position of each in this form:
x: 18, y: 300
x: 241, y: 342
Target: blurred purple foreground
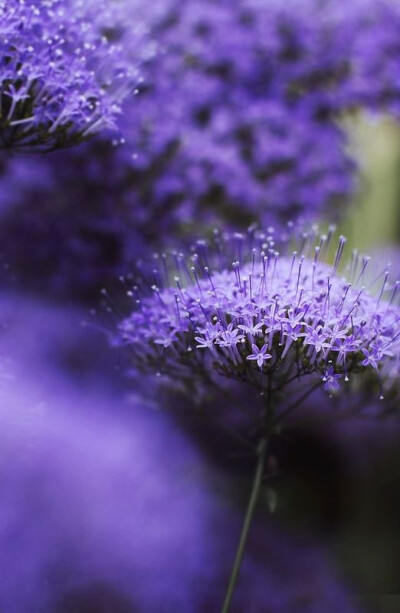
x: 105, y: 507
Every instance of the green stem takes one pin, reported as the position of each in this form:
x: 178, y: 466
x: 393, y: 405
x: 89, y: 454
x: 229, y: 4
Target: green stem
x: 262, y: 451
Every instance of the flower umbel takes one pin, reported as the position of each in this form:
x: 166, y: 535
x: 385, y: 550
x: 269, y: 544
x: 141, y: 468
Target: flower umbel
x: 270, y: 317
x: 61, y: 78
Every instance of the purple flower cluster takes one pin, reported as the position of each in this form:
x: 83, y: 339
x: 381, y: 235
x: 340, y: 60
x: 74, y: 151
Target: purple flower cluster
x: 248, y: 130
x: 375, y: 54
x: 254, y: 93
x: 254, y: 309
x: 66, y: 211
x: 62, y: 78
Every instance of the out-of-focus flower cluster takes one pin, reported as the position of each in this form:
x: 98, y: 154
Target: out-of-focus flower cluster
x: 63, y: 77
x: 254, y: 93
x: 67, y: 213
x: 247, y: 128
x: 252, y: 310
x: 375, y: 54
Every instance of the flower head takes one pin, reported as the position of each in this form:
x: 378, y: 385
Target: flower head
x: 274, y: 316
x: 254, y: 92
x: 62, y: 79
x: 248, y: 130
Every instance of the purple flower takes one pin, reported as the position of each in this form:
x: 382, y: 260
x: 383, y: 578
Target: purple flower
x: 374, y: 53
x: 248, y: 130
x: 62, y: 79
x: 254, y: 92
x: 103, y: 504
x: 229, y: 337
x: 66, y: 209
x: 331, y: 380
x: 259, y: 355
x: 318, y: 339
x: 301, y: 318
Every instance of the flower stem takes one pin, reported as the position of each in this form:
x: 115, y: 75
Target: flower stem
x: 262, y: 450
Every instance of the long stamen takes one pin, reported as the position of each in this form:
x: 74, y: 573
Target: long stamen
x: 365, y: 262
x: 339, y: 253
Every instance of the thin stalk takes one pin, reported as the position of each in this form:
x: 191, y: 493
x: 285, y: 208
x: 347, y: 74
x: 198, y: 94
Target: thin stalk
x: 262, y: 451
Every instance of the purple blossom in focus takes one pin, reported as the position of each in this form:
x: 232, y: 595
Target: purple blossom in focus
x: 277, y: 315
x: 62, y: 77
x: 259, y: 355
x: 331, y: 380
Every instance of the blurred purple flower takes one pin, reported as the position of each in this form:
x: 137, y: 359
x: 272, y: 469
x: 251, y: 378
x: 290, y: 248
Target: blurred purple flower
x: 66, y: 211
x: 253, y: 92
x: 375, y: 54
x: 247, y: 132
x: 118, y: 514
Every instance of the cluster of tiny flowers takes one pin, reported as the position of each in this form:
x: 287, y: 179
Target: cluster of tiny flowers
x: 61, y: 78
x: 254, y: 92
x: 269, y: 318
x: 248, y: 131
x: 75, y: 250
x: 375, y: 54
